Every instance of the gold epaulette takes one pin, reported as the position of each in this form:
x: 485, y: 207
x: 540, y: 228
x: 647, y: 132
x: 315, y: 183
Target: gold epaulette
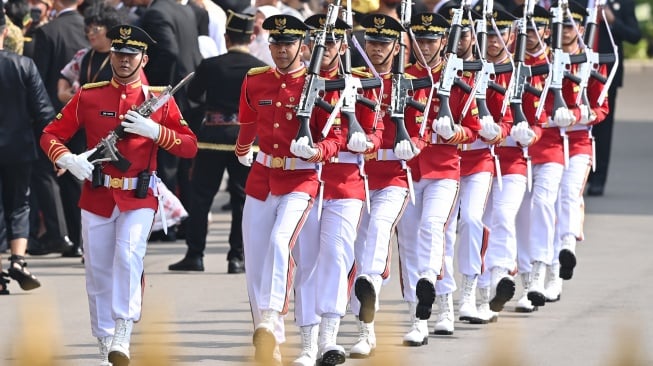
x: 156, y: 89
x: 95, y: 85
x: 360, y: 72
x: 258, y: 70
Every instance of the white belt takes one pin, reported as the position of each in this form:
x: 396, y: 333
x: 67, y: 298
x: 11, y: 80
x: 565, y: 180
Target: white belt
x: 509, y: 142
x: 126, y: 184
x: 346, y: 158
x: 476, y: 145
x: 284, y: 163
x: 578, y: 127
x: 383, y: 154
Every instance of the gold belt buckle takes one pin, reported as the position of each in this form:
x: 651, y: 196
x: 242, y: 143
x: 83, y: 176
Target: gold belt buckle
x: 116, y: 182
x: 370, y: 156
x: 277, y: 162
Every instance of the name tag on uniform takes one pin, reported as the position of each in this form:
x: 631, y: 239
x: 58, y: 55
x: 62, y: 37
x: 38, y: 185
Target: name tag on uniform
x: 107, y: 114
x: 265, y: 102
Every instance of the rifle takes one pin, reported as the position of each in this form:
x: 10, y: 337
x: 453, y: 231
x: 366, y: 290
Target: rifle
x: 454, y: 66
x: 400, y: 98
x: 522, y: 75
x: 106, y: 148
x: 559, y: 64
x: 314, y: 85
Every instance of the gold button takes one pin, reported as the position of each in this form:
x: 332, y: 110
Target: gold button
x: 123, y: 96
x: 121, y: 117
x: 276, y: 125
x: 283, y: 85
x: 278, y: 104
x: 292, y: 99
x: 276, y: 146
x: 288, y: 116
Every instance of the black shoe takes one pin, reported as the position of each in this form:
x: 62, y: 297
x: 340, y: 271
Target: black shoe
x: 188, y: 264
x: 595, y: 190
x: 74, y: 252
x: 17, y: 271
x: 35, y: 247
x: 58, y: 245
x: 236, y: 265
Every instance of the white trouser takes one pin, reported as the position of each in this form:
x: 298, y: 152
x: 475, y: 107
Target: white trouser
x: 270, y: 229
x: 332, y: 240
x: 114, y: 248
x: 522, y: 231
x: 372, y: 246
x: 474, y: 193
x: 421, y: 233
x: 502, y: 243
x: 542, y: 217
x: 570, y: 206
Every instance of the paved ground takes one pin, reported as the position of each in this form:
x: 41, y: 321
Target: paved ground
x: 192, y: 319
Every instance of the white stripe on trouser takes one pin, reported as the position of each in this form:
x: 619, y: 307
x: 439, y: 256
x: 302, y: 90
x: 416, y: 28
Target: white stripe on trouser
x: 114, y: 248
x: 500, y: 219
x: 473, y: 197
x: 372, y: 246
x: 421, y: 233
x: 570, y: 205
x: 542, y: 217
x: 269, y: 229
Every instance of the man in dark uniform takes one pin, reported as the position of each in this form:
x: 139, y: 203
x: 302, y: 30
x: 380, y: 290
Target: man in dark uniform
x: 56, y: 43
x: 220, y: 78
x: 24, y: 100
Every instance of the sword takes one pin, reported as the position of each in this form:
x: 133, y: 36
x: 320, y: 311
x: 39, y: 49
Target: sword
x: 497, y: 167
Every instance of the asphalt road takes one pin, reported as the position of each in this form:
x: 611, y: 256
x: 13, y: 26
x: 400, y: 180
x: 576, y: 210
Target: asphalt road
x: 203, y: 318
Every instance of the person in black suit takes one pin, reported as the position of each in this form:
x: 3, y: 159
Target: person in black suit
x: 24, y: 102
x: 176, y: 53
x: 220, y: 79
x: 55, y: 44
x: 620, y: 16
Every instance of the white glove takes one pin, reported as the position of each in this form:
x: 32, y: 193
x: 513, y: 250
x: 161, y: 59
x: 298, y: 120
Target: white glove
x: 489, y: 129
x: 405, y: 150
x: 135, y: 123
x: 77, y: 165
x: 586, y: 115
x: 247, y: 159
x: 563, y: 117
x: 300, y: 148
x: 358, y: 142
x: 522, y: 133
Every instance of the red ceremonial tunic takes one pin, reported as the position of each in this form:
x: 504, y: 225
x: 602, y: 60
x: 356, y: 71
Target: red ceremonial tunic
x: 579, y: 135
x: 343, y: 180
x: 440, y: 159
x: 99, y: 108
x: 548, y: 148
x: 268, y: 102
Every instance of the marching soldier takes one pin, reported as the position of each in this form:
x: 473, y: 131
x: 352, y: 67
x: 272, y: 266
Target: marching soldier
x: 570, y: 204
x: 325, y: 249
x: 283, y: 182
x: 219, y: 78
x: 536, y: 217
x: 423, y: 251
x: 388, y: 180
x: 505, y: 198
x: 118, y: 208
